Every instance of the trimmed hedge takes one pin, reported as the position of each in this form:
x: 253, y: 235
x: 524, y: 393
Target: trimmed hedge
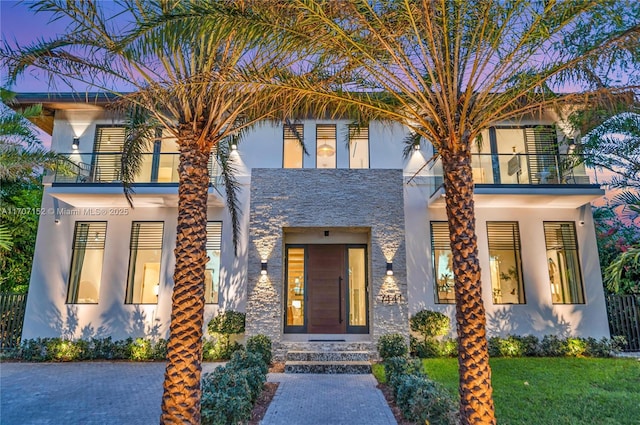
x: 392, y: 345
x: 525, y: 346
x: 420, y: 399
x: 64, y: 350
x: 228, y: 393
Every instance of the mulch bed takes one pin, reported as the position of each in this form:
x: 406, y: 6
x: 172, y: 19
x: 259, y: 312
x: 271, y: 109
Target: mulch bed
x: 262, y: 403
x: 388, y: 394
x: 277, y: 367
x: 264, y: 399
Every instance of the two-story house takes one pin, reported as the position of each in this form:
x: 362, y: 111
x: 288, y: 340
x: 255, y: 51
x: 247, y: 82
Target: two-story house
x: 340, y: 244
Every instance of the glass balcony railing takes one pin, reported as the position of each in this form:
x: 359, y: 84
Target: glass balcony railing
x: 106, y: 168
x: 520, y: 169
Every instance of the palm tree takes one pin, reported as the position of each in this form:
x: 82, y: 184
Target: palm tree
x: 176, y: 76
x: 22, y: 156
x: 450, y: 69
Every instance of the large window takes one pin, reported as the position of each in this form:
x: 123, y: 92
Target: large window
x: 143, y: 282
x: 505, y: 262
x: 159, y: 163
x: 442, y: 263
x: 212, y: 272
x: 86, y: 262
x: 562, y: 261
x: 326, y: 146
x: 358, y: 147
x: 293, y: 150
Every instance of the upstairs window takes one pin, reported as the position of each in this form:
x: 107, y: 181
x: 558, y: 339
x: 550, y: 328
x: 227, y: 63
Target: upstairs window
x: 86, y: 262
x: 145, y: 255
x: 293, y: 151
x: 505, y: 262
x: 358, y: 147
x: 442, y: 263
x: 107, y: 154
x: 563, y: 263
x: 212, y: 272
x: 326, y: 146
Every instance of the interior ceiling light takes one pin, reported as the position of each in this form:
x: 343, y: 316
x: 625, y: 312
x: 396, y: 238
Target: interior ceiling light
x: 326, y: 149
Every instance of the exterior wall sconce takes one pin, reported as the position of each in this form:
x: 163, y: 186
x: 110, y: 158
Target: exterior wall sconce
x: 75, y: 143
x: 389, y: 268
x: 416, y: 147
x: 234, y: 147
x: 263, y: 268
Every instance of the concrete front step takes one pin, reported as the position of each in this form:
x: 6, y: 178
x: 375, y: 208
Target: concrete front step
x: 281, y: 349
x: 327, y: 356
x: 355, y: 367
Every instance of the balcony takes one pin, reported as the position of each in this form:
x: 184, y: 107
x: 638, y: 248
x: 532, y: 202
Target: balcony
x: 94, y: 179
x: 521, y: 180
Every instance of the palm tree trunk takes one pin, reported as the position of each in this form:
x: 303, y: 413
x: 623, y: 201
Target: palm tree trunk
x: 476, y: 402
x: 181, y: 397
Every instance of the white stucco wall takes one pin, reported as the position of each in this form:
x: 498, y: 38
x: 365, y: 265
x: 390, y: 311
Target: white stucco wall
x: 48, y: 314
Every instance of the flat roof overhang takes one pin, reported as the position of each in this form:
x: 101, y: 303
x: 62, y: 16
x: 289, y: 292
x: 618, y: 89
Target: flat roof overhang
x: 112, y: 196
x: 529, y: 196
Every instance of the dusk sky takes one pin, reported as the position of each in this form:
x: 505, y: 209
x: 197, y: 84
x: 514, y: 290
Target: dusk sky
x: 18, y: 23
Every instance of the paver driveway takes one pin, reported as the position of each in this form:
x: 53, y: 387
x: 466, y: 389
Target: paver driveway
x: 123, y: 393
x: 83, y: 393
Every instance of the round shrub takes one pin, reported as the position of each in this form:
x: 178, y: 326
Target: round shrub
x: 261, y: 345
x: 392, y: 345
x: 425, y: 401
x: 430, y: 324
x: 242, y: 359
x: 227, y: 323
x: 395, y: 368
x: 225, y: 397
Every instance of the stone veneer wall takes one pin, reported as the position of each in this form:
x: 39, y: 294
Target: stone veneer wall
x: 331, y: 198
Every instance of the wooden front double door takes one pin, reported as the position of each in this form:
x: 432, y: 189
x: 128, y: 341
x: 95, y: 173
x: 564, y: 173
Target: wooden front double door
x: 326, y: 289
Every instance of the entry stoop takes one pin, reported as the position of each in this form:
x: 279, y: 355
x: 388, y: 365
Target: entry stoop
x: 356, y: 362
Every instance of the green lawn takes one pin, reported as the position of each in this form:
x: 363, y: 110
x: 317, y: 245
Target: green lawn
x: 556, y: 391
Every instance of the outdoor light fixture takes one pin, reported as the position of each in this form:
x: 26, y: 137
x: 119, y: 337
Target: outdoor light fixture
x: 76, y: 143
x: 156, y: 289
x: 416, y: 147
x: 572, y: 146
x: 57, y: 221
x: 389, y: 268
x: 263, y: 268
x: 234, y: 147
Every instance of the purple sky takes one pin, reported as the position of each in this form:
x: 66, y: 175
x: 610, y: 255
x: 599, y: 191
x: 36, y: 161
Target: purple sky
x: 18, y: 23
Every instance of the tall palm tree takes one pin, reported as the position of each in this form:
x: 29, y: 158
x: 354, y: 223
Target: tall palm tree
x: 450, y: 69
x: 176, y: 77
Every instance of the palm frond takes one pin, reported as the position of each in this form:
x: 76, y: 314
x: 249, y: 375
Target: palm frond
x: 140, y: 132
x: 6, y: 239
x: 228, y: 172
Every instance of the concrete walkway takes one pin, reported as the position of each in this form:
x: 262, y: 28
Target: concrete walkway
x: 122, y: 393
x: 307, y: 399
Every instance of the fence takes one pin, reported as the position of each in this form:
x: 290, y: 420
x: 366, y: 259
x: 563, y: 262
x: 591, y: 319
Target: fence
x: 12, y: 308
x: 624, y: 319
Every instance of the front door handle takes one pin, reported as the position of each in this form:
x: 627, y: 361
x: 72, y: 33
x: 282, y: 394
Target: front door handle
x: 340, y: 299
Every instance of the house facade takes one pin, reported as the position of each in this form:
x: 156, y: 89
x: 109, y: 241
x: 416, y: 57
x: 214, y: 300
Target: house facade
x: 341, y: 243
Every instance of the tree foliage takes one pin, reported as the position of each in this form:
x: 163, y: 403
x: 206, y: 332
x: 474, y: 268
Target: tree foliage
x: 615, y: 146
x: 617, y: 240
